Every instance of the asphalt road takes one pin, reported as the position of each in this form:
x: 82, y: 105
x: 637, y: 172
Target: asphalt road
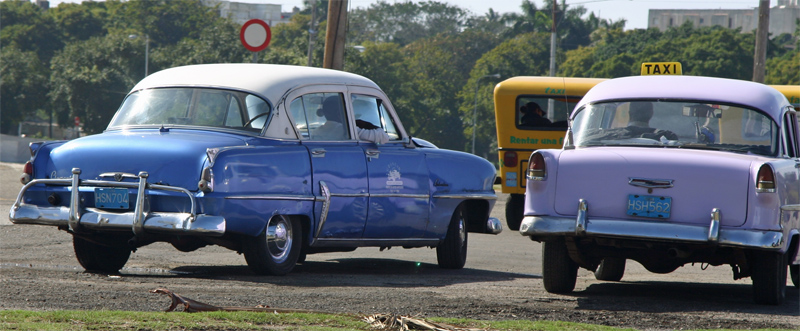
x: 502, y: 280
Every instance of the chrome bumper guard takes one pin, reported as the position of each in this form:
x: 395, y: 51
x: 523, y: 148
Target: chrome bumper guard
x: 546, y: 226
x: 494, y: 226
x: 139, y: 221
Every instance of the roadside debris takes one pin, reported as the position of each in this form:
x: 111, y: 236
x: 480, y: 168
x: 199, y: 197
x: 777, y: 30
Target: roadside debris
x: 377, y: 321
x: 405, y: 323
x: 192, y: 306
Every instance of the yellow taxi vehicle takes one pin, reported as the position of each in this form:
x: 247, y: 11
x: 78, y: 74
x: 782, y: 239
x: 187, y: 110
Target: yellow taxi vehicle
x: 531, y: 113
x: 792, y: 92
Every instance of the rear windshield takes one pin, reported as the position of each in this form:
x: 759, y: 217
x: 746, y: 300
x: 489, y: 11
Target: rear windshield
x: 202, y: 107
x: 677, y: 124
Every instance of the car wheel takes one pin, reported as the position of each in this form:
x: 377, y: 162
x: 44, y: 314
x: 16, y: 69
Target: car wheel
x: 611, y: 269
x: 95, y: 257
x: 769, y: 277
x: 559, y: 272
x: 795, y: 271
x: 451, y: 253
x: 276, y: 250
x: 515, y: 210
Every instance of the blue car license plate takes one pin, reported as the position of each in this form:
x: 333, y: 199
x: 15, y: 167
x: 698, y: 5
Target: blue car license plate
x: 112, y: 198
x: 649, y: 206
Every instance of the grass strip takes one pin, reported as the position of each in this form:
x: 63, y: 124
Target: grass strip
x: 235, y: 321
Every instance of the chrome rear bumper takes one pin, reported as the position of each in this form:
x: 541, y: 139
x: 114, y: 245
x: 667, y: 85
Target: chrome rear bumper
x: 140, y: 221
x: 582, y: 226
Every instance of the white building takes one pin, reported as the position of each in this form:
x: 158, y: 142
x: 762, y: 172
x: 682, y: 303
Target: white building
x: 782, y: 18
x: 241, y: 12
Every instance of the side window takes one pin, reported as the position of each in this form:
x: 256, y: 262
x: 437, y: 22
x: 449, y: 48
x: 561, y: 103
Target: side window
x: 388, y: 124
x: 256, y: 111
x: 320, y: 116
x: 299, y: 115
x: 371, y: 109
x: 540, y: 112
x: 234, y: 116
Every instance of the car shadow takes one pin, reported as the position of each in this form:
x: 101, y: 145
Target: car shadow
x: 356, y: 272
x: 659, y: 296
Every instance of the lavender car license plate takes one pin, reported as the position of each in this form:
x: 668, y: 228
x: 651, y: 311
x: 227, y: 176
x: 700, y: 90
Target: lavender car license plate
x: 112, y: 198
x: 649, y: 206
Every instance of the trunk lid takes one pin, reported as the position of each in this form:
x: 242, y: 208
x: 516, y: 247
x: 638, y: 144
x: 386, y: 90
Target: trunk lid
x: 702, y: 181
x: 175, y: 157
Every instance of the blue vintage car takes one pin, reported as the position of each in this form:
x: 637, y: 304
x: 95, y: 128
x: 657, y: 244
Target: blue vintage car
x: 272, y: 161
x: 670, y: 170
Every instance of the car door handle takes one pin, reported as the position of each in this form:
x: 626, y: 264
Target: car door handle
x: 373, y: 153
x: 318, y: 152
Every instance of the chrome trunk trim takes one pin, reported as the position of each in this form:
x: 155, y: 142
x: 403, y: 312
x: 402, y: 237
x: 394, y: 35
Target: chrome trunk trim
x: 650, y: 183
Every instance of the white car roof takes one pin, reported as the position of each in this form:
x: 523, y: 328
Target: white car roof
x: 693, y: 88
x: 271, y: 81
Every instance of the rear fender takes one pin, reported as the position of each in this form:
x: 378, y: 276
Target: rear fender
x: 540, y: 194
x: 252, y: 184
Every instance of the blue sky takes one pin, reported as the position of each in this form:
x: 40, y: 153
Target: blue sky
x: 634, y: 11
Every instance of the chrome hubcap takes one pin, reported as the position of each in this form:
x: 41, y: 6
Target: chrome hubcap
x: 279, y: 239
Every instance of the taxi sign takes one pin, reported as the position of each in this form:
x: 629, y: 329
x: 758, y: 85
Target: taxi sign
x: 662, y: 68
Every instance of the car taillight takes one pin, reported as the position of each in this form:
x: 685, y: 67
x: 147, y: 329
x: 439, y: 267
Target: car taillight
x: 206, y: 183
x: 765, y: 181
x: 536, y: 168
x: 27, y: 173
x: 510, y: 159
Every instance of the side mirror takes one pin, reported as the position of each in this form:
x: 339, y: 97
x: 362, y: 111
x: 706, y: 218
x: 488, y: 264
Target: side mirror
x: 408, y: 142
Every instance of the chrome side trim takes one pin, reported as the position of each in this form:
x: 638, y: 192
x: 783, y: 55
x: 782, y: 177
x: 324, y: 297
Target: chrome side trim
x: 351, y: 195
x: 326, y: 205
x: 272, y: 197
x: 373, y: 242
x: 553, y: 226
x: 483, y: 196
x: 410, y: 196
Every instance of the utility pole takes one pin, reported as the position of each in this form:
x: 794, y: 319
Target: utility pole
x: 335, y: 35
x: 762, y: 33
x: 553, y: 42
x: 312, y: 31
x: 550, y: 102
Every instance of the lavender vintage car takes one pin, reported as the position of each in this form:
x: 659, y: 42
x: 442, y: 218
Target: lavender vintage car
x: 275, y: 162
x: 670, y: 170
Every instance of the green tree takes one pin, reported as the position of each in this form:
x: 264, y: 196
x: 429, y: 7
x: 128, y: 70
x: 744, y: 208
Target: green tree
x: 404, y: 22
x: 525, y: 55
x: 218, y: 43
x: 437, y: 70
x: 166, y: 22
x: 79, y: 21
x: 90, y: 79
x: 23, y: 86
x: 784, y: 70
x: 29, y: 28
